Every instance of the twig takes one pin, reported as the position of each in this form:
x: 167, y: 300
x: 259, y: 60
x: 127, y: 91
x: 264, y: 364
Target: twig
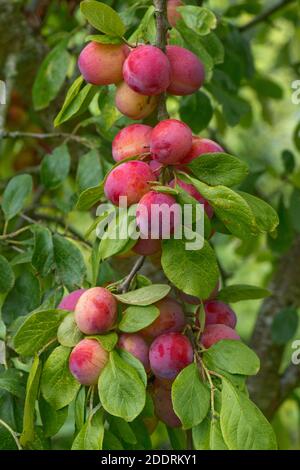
x: 162, y: 27
x: 265, y: 15
x: 14, y: 234
x: 124, y: 286
x: 12, y: 432
x: 51, y: 135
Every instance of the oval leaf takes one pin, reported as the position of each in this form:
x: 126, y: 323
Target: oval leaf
x: 136, y: 318
x: 145, y: 295
x: 15, y: 195
x: 103, y: 18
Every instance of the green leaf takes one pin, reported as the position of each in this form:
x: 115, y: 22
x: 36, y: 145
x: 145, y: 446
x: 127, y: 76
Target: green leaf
x: 230, y: 207
x: 136, y: 318
x: 190, y: 397
x: 219, y: 168
x: 51, y: 76
x: 68, y: 333
x: 80, y: 408
x: 7, y: 276
x: 108, y: 341
x: 77, y: 101
x: 104, y: 39
x: 52, y: 419
x: 103, y: 18
x: 58, y: 385
x: 70, y: 266
x: 208, y: 435
x: 135, y: 363
x: 89, y: 197
x: 12, y: 381
x: 37, y: 330
x: 146, y: 30
x: 194, y: 272
x: 199, y: 19
x: 145, y: 295
x: 15, y: 195
x: 24, y: 297
x: 294, y: 209
x: 238, y: 292
x: 111, y: 442
x: 118, y: 234
x: 42, y: 256
x: 284, y: 325
x: 266, y: 218
x: 189, y: 111
x: 32, y: 389
x: 243, y: 425
x: 232, y: 356
x: 89, y: 171
x: 121, y: 390
x: 55, y: 167
x: 90, y: 437
x: 122, y: 430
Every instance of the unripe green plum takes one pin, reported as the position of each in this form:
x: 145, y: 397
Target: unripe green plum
x: 134, y: 105
x: 102, y: 64
x: 147, y: 70
x: 131, y: 141
x: 169, y: 354
x: 96, y: 311
x: 187, y: 71
x: 170, y: 141
x: 87, y: 360
x: 130, y: 179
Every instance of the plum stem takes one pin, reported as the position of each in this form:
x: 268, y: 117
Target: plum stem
x: 124, y: 286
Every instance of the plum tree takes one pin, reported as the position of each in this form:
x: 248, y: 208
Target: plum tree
x: 214, y: 333
x: 157, y: 215
x: 219, y: 312
x: 102, y: 64
x: 170, y: 141
x: 132, y: 104
x: 131, y: 141
x: 199, y: 147
x: 147, y: 70
x: 172, y: 12
x: 163, y: 406
x: 192, y: 191
x: 69, y: 301
x: 137, y: 346
x: 87, y: 360
x: 169, y: 354
x: 96, y: 311
x: 187, y: 71
x: 171, y: 319
x: 131, y: 180
x: 147, y: 246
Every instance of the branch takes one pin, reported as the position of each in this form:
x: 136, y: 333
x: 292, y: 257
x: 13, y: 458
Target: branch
x: 162, y: 27
x: 268, y: 389
x: 51, y: 135
x: 265, y: 15
x: 124, y: 286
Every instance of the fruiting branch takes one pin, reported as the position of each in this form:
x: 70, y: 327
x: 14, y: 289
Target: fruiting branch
x: 42, y: 136
x: 124, y: 286
x: 162, y: 27
x: 265, y: 15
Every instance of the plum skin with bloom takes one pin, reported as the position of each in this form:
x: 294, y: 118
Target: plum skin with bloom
x: 212, y: 334
x: 87, y: 360
x: 169, y: 354
x: 187, y: 71
x: 170, y: 141
x: 147, y: 70
x: 132, y: 104
x: 135, y: 345
x: 129, y: 179
x: 152, y: 215
x: 102, y: 64
x: 163, y: 407
x: 220, y: 313
x: 131, y: 141
x: 96, y: 311
x: 199, y: 147
x: 171, y: 319
x: 69, y: 301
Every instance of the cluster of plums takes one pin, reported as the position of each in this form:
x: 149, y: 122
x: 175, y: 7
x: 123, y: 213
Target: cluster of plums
x: 161, y: 347
x: 170, y: 142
